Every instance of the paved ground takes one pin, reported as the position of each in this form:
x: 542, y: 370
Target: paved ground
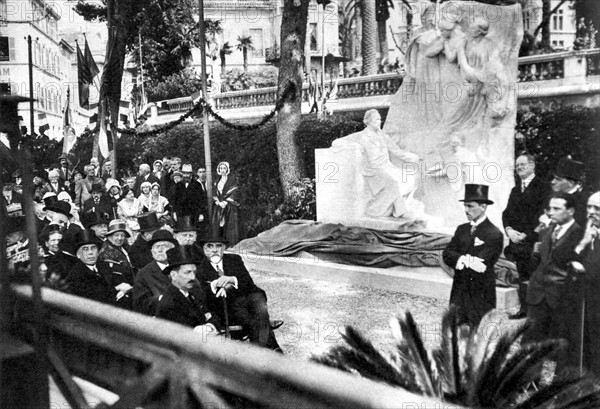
x: 315, y: 311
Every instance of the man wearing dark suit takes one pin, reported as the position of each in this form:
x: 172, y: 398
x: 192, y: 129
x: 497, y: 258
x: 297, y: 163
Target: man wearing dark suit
x: 520, y: 218
x: 189, y: 198
x: 225, y: 275
x: 55, y: 184
x: 140, y: 251
x: 151, y: 282
x: 99, y: 202
x: 568, y: 178
x: 144, y: 175
x: 91, y: 278
x: 551, y: 306
x: 473, y: 252
x: 63, y: 170
x: 588, y: 252
x: 184, y: 302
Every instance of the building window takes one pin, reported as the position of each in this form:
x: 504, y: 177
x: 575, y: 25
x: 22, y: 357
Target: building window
x: 7, y: 49
x: 527, y: 21
x: 314, y: 44
x: 257, y: 42
x: 560, y: 20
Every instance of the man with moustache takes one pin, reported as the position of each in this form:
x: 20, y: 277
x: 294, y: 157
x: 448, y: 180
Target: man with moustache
x: 551, y: 306
x: 587, y: 266
x: 568, y: 178
x: 520, y: 218
x: 188, y: 197
x: 150, y: 282
x: 183, y: 302
x: 473, y: 252
x: 226, y: 280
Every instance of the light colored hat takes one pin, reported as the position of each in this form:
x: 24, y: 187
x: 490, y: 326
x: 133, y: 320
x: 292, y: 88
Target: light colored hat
x: 110, y: 183
x: 117, y: 225
x: 157, y: 161
x: 146, y: 184
x: 187, y: 168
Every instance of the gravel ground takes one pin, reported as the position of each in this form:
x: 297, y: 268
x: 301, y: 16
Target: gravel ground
x: 315, y: 311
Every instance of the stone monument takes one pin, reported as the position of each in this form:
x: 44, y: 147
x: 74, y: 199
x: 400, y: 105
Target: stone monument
x: 454, y: 113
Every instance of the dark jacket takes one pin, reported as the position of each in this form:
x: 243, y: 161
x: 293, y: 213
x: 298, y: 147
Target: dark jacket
x: 474, y: 293
x: 149, y: 284
x: 81, y: 281
x: 174, y: 306
x: 140, y: 253
x: 104, y: 206
x: 190, y: 200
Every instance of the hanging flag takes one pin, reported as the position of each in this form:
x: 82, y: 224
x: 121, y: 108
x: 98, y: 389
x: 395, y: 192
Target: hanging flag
x: 103, y: 140
x: 69, y: 136
x: 84, y: 79
x: 124, y: 111
x: 43, y: 122
x: 89, y: 60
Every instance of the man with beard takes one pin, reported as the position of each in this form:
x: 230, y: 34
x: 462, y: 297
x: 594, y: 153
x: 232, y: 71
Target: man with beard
x: 151, y: 282
x: 183, y: 302
x: 144, y: 175
x: 227, y: 281
x: 189, y: 197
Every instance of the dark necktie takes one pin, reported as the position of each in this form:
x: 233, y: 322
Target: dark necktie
x: 473, y: 227
x: 220, y: 272
x: 555, y: 235
x: 191, y: 298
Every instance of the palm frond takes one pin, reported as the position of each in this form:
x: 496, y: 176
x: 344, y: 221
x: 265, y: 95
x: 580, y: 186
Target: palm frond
x: 448, y: 355
x: 480, y: 340
x: 568, y: 392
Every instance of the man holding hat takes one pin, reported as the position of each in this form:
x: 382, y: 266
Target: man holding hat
x: 183, y: 302
x: 91, y: 278
x: 229, y: 286
x: 139, y: 252
x: 150, y: 282
x: 189, y: 198
x: 568, y: 178
x: 473, y: 252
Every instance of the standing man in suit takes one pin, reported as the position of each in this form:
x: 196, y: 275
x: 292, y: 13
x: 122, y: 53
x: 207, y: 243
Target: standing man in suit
x: 550, y: 306
x: 568, y: 178
x: 520, y: 218
x: 225, y: 275
x: 98, y: 202
x: 183, y: 302
x: 473, y: 252
x: 151, y: 282
x: 63, y: 170
x: 54, y: 182
x: 189, y: 199
x: 588, y: 257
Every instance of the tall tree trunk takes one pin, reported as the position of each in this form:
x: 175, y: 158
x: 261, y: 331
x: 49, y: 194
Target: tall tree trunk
x: 293, y: 36
x: 545, y: 24
x: 369, y: 38
x: 383, y: 42
x: 245, y: 55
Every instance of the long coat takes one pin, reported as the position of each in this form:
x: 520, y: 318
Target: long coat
x: 85, y: 283
x: 227, y: 216
x: 149, y: 284
x: 474, y: 293
x: 189, y: 201
x: 174, y: 306
x: 140, y: 253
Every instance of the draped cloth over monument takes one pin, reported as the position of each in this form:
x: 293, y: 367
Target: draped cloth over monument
x: 360, y: 246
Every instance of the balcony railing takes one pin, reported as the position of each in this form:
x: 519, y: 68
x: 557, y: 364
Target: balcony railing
x: 154, y: 363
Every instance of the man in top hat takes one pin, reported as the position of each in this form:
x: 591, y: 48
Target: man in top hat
x: 98, y: 223
x: 568, y: 178
x: 189, y: 198
x: 520, y: 218
x: 226, y: 280
x: 98, y: 202
x: 92, y: 278
x: 183, y: 301
x: 185, y: 231
x: 139, y: 252
x: 150, y: 282
x: 588, y: 259
x: 473, y: 252
x: 550, y: 295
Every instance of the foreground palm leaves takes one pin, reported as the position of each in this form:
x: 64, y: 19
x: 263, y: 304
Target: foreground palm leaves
x: 483, y: 367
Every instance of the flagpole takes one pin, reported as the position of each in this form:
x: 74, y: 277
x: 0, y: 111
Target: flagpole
x: 142, y: 68
x: 207, y: 157
x: 31, y: 113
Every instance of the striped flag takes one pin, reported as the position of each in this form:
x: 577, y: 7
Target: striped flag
x: 69, y: 137
x: 103, y: 140
x: 89, y: 60
x: 43, y: 123
x: 84, y: 80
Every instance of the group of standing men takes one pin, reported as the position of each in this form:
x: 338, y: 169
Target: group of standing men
x: 552, y: 231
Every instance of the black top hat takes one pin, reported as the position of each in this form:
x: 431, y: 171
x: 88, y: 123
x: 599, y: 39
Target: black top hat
x: 181, y: 255
x: 60, y: 207
x: 570, y: 169
x: 85, y: 236
x: 212, y: 238
x: 476, y: 193
x: 90, y: 219
x: 184, y: 223
x: 162, y: 235
x: 148, y: 221
x: 49, y: 200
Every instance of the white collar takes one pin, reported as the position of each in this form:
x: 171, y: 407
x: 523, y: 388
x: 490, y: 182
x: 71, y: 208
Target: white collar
x: 575, y: 190
x: 218, y: 266
x: 479, y: 221
x: 185, y: 293
x: 527, y: 180
x: 564, y: 228
x: 162, y: 266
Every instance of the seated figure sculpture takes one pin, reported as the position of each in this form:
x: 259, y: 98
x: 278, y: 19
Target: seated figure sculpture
x: 390, y: 186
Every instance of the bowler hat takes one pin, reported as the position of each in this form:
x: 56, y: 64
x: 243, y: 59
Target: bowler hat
x: 90, y: 219
x: 570, y: 169
x: 162, y: 235
x: 476, y: 193
x: 60, y: 207
x: 180, y: 255
x: 49, y: 199
x: 184, y: 223
x: 117, y: 225
x: 148, y: 222
x: 212, y: 237
x: 85, y: 236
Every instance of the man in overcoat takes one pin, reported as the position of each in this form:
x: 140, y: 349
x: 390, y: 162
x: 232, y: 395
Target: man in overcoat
x: 473, y: 252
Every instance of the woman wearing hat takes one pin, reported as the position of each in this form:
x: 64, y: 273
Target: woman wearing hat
x: 128, y: 209
x: 224, y: 219
x: 114, y: 253
x: 157, y: 203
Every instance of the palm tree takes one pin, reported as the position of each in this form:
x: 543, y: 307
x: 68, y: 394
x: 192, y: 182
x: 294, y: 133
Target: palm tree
x: 369, y: 38
x: 382, y: 14
x: 244, y: 44
x: 482, y: 367
x: 225, y: 50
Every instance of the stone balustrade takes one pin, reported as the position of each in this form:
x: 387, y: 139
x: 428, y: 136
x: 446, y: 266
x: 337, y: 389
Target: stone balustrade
x: 552, y: 74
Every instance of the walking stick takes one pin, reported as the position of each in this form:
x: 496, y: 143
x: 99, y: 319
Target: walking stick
x: 579, y: 271
x: 226, y: 317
